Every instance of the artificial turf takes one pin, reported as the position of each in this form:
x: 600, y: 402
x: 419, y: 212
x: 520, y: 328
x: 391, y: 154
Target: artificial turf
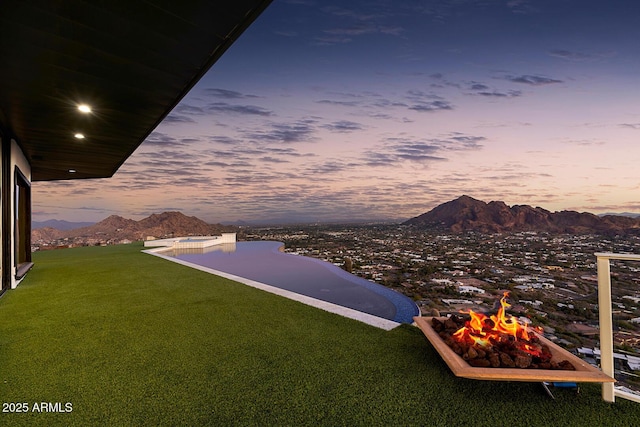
x: 130, y: 339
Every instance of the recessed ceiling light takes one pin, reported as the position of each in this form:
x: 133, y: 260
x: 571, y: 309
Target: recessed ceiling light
x: 84, y: 108
x: 79, y: 135
x: 72, y: 171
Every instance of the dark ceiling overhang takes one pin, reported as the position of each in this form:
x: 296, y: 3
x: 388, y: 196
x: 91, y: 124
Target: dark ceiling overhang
x: 132, y: 61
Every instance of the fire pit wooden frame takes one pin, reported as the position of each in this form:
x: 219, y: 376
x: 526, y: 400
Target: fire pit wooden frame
x: 584, y: 371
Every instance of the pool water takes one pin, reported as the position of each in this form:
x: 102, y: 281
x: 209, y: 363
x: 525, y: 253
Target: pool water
x: 263, y: 262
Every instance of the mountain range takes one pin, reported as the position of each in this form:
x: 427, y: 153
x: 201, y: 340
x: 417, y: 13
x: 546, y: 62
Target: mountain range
x: 60, y: 224
x: 468, y: 214
x: 166, y: 224
x: 462, y: 214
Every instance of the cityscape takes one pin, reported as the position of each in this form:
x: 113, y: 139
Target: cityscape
x: 551, y: 279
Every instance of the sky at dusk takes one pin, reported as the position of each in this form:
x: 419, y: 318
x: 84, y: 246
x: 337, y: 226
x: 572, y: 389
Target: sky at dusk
x: 383, y: 109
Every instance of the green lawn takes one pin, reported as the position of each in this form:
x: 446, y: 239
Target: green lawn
x: 131, y: 339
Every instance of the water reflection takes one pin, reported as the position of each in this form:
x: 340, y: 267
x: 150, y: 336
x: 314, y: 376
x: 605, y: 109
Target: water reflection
x: 223, y: 247
x: 264, y: 261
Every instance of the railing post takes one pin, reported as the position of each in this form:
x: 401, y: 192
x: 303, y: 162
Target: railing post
x: 606, y: 326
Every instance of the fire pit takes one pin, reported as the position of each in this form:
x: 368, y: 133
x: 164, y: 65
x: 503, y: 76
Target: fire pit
x: 485, y: 342
x: 584, y: 372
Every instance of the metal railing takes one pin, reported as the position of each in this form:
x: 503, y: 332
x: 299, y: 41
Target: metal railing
x: 609, y: 392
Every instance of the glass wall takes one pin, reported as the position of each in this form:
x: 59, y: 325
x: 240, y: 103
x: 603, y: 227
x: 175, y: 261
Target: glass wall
x: 22, y: 224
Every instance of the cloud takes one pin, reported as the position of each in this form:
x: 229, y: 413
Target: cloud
x: 162, y: 139
x: 520, y: 7
x: 401, y: 150
x: 457, y: 141
x: 379, y: 158
x: 352, y: 31
x: 216, y: 164
x: 188, y: 109
x: 496, y: 94
x: 227, y: 94
x: 225, y: 154
x: 418, y: 95
x: 343, y: 126
x: 431, y: 106
x: 328, y: 167
x: 286, y: 152
x: 299, y: 131
x: 328, y: 41
x: 574, y: 56
x: 630, y: 125
x: 415, y: 100
x: 183, y: 114
x: 427, y: 102
x: 481, y: 89
x: 396, y: 150
x: 269, y: 159
x: 342, y: 12
x: 387, y: 103
x: 381, y: 116
x: 442, y: 82
x: 475, y: 86
x: 584, y: 142
x: 519, y: 177
x: 177, y: 118
x: 622, y: 208
x: 417, y: 152
x: 223, y: 107
x: 44, y: 213
x: 350, y: 24
x: 226, y: 140
x: 65, y: 207
x: 362, y: 29
x: 245, y: 177
x: 305, y: 203
x: 339, y: 103
x: 171, y: 155
x: 533, y: 80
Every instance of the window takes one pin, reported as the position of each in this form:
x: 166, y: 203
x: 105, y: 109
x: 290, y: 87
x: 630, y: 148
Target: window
x: 22, y: 224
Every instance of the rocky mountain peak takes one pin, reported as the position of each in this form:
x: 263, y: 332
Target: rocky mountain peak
x: 117, y: 228
x: 468, y: 214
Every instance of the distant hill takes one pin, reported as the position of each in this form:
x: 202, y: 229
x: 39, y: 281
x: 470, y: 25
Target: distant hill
x: 167, y: 224
x: 629, y: 214
x: 468, y: 214
x: 59, y: 224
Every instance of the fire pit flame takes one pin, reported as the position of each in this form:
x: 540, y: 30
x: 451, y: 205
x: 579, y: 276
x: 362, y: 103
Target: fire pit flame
x: 487, y: 331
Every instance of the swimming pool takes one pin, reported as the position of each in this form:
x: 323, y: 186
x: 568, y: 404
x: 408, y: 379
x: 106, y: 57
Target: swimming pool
x: 263, y: 262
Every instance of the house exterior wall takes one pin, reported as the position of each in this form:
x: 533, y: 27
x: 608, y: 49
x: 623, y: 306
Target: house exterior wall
x: 5, y: 202
x: 228, y: 238
x: 12, y: 159
x: 18, y: 159
x: 2, y: 245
